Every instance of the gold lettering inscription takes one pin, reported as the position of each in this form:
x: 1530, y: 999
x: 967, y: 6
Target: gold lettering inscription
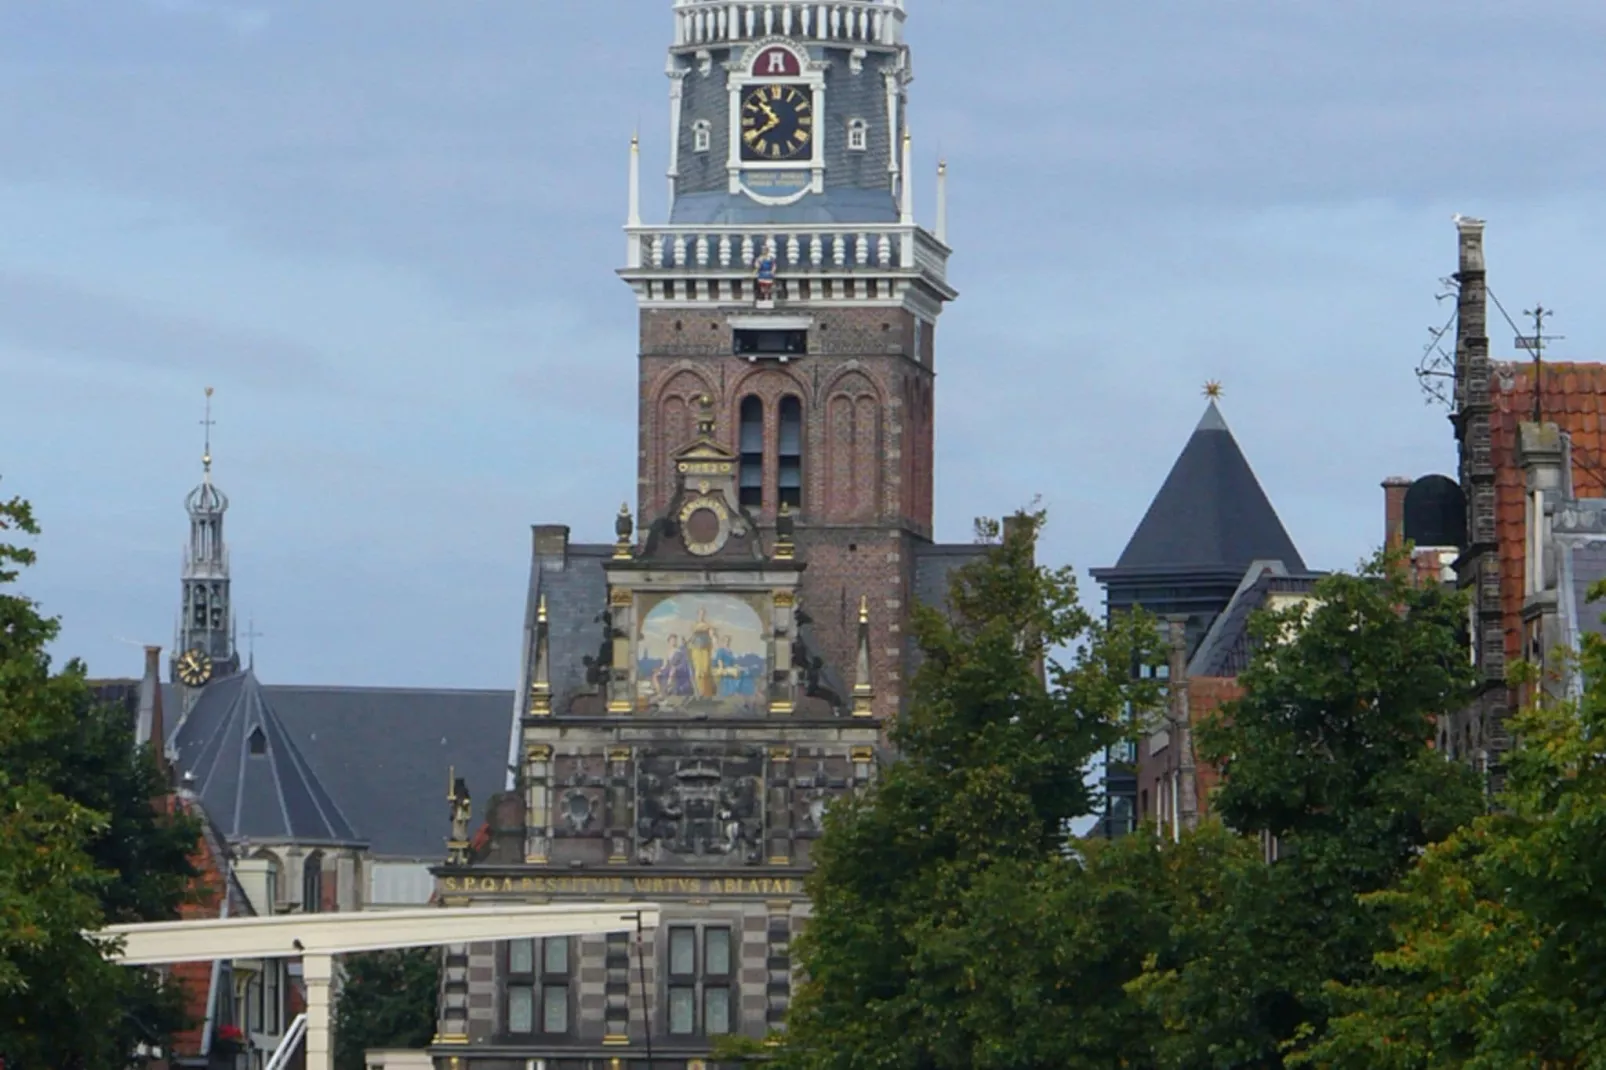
x: 624, y: 886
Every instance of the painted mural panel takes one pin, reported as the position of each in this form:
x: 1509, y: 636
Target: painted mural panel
x: 702, y: 652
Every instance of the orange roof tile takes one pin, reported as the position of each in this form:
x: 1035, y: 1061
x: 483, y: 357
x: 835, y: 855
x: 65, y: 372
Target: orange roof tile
x: 1572, y: 395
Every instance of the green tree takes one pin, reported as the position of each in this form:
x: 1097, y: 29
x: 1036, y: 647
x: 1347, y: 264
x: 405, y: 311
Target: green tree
x: 1498, y: 950
x: 955, y: 853
x: 84, y: 843
x: 1329, y: 752
x: 387, y: 1000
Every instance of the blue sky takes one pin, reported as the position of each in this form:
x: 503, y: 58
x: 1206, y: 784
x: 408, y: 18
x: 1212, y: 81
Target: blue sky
x: 386, y: 231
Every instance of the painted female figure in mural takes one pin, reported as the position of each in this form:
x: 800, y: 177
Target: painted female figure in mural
x: 674, y: 676
x: 701, y: 651
x: 726, y: 670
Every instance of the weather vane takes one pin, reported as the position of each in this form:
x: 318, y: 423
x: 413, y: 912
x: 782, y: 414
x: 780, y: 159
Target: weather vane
x: 1212, y: 389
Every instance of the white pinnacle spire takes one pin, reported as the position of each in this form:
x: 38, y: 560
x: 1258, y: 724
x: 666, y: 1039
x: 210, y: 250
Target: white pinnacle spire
x: 634, y: 218
x: 942, y: 202
x: 908, y: 178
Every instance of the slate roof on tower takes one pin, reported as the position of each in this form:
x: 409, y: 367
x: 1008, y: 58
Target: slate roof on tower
x: 249, y: 773
x: 1210, y: 514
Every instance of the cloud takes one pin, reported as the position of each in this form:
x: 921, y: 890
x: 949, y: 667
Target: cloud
x: 55, y: 317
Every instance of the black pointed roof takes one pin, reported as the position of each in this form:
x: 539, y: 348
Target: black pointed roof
x: 1210, y: 515
x: 249, y: 773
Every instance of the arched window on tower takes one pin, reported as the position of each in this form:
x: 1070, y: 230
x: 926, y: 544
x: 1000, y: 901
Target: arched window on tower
x: 751, y: 447
x: 702, y: 135
x: 789, y: 450
x: 858, y: 135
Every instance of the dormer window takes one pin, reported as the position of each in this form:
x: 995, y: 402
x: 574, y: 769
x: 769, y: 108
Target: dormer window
x: 702, y: 135
x: 858, y: 135
x: 258, y: 741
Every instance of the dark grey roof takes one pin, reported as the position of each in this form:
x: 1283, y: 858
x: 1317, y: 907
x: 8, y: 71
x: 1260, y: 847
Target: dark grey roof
x: 840, y: 205
x: 383, y: 755
x: 1226, y: 647
x: 1210, y: 514
x: 935, y: 565
x: 248, y: 771
x: 386, y: 752
x: 571, y: 578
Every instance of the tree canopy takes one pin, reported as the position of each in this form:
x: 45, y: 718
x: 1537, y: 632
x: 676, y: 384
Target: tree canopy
x: 991, y: 770
x: 387, y: 1000
x: 82, y: 843
x: 956, y: 925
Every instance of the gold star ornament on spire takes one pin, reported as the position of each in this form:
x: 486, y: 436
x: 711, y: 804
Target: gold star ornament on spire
x: 1212, y: 390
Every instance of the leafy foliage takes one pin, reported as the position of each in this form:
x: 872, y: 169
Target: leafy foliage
x: 1498, y: 956
x: 1328, y: 755
x: 82, y: 842
x: 970, y: 819
x: 387, y: 1000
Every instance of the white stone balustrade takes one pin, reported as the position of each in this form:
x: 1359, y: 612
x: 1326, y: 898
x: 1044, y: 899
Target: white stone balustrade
x: 700, y: 23
x: 732, y: 250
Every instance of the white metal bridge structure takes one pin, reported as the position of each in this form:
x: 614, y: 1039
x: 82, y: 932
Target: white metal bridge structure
x: 316, y: 939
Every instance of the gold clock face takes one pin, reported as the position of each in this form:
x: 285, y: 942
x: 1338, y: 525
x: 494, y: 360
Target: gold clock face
x: 777, y: 123
x: 194, y: 668
x: 705, y: 525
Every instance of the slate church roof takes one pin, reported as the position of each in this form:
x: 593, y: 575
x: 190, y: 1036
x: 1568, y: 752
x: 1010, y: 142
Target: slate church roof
x: 375, y: 760
x: 249, y: 773
x: 1210, y: 515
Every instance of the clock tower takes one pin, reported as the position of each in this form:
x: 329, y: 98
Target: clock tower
x: 696, y: 693
x: 203, y: 649
x: 793, y: 286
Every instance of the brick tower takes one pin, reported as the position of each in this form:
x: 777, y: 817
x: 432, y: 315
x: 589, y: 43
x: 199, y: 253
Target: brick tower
x: 794, y: 287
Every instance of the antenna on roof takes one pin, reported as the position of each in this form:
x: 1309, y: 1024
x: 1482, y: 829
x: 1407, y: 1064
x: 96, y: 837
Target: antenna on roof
x: 1535, y: 343
x: 251, y: 636
x: 207, y: 422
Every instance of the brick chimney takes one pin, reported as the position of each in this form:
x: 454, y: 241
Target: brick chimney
x: 151, y: 726
x: 1394, y: 488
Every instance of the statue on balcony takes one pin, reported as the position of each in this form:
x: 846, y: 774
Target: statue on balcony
x: 764, y: 273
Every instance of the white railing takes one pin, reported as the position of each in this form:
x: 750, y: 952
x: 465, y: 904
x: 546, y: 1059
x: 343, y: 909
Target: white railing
x: 288, y: 1043
x: 711, y: 22
x: 829, y: 249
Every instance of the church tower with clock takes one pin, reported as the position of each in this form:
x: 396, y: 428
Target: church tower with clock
x: 696, y: 692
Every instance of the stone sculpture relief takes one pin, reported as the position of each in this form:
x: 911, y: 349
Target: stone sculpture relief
x: 700, y: 805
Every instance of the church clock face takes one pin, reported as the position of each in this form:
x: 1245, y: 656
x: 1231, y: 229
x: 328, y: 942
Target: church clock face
x: 777, y: 123
x: 705, y: 525
x: 194, y: 668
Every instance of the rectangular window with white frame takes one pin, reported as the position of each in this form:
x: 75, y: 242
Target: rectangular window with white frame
x: 700, y: 974
x: 538, y: 987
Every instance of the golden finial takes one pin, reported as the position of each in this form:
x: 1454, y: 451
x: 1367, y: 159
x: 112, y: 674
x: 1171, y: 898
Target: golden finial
x: 540, y: 610
x: 864, y: 609
x: 1212, y: 390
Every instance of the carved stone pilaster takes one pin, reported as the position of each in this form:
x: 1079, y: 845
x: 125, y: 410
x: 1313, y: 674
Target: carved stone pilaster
x: 621, y: 614
x: 619, y: 816
x: 778, y: 989
x: 616, y: 1011
x: 783, y: 678
x: 452, y: 1025
x: 778, y: 822
x: 538, y: 802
